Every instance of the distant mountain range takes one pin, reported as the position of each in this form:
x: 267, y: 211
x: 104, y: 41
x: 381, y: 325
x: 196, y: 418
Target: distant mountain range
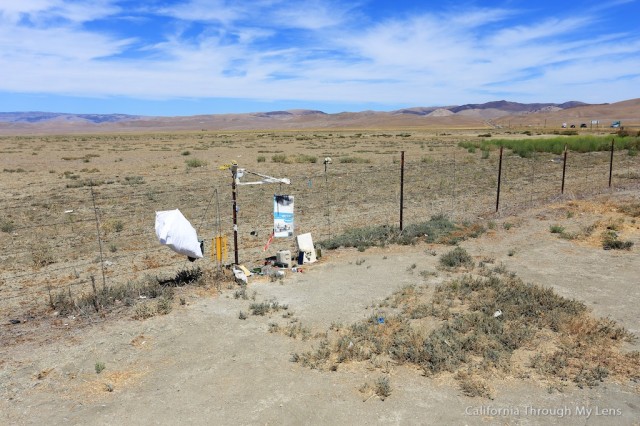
x: 498, y: 114
x: 39, y: 117
x: 488, y: 110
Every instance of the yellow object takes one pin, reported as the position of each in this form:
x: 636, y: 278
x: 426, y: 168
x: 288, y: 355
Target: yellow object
x: 219, y: 250
x: 245, y: 270
x: 228, y: 166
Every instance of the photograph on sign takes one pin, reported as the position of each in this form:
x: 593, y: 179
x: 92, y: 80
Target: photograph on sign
x: 283, y: 215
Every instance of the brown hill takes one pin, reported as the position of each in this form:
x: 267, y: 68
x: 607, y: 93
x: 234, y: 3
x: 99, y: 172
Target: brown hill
x: 628, y: 112
x: 471, y: 116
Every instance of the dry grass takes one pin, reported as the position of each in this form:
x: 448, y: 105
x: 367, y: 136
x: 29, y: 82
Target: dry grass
x: 140, y: 173
x: 477, y: 325
x: 108, y: 382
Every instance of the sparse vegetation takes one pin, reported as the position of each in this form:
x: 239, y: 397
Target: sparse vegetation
x: 129, y: 294
x: 193, y: 163
x: 279, y: 158
x: 264, y: 308
x: 42, y: 255
x: 438, y: 229
x: 457, y: 258
x: 482, y: 322
x: 610, y: 241
x: 580, y: 143
x: 556, y: 229
x: 7, y: 226
x: 133, y: 180
x: 382, y: 387
x: 354, y: 160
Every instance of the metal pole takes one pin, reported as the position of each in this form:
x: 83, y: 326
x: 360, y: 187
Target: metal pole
x: 234, y: 173
x: 326, y: 196
x: 499, y: 179
x: 611, y: 163
x: 533, y: 174
x: 401, y: 186
x: 564, y: 168
x: 95, y: 210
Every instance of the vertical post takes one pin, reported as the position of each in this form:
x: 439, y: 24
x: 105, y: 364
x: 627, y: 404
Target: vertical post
x: 453, y: 190
x: 611, y: 163
x: 533, y: 174
x: 96, y: 305
x: 564, y: 168
x: 326, y: 194
x: 499, y: 179
x: 234, y: 174
x: 401, y: 186
x: 218, y: 237
x: 95, y: 210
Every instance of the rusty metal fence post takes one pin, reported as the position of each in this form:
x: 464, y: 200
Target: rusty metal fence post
x: 564, y: 169
x: 401, y: 187
x: 611, y: 163
x: 499, y: 179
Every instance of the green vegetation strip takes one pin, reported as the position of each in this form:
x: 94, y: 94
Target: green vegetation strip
x: 438, y: 229
x: 526, y: 147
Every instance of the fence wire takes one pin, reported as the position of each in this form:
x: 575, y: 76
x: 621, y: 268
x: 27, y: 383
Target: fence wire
x: 51, y: 242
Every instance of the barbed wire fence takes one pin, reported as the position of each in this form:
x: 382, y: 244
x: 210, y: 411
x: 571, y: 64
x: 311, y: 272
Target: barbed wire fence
x: 67, y: 238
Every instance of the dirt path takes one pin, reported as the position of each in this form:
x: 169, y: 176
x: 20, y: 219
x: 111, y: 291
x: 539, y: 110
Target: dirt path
x: 201, y: 364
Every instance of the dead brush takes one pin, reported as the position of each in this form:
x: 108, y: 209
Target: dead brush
x: 264, y: 308
x: 630, y: 209
x: 457, y: 258
x: 610, y: 241
x: 483, y: 321
x: 437, y: 229
x: 473, y: 384
x: 127, y: 294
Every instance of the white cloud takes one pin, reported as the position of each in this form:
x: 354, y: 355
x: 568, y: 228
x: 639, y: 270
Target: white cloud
x: 331, y: 55
x: 206, y: 10
x: 42, y: 11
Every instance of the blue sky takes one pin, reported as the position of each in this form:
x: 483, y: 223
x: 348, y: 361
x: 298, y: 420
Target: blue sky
x: 170, y: 57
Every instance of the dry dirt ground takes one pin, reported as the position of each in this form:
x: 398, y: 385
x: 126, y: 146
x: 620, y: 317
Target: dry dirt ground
x: 201, y: 364
x: 50, y: 242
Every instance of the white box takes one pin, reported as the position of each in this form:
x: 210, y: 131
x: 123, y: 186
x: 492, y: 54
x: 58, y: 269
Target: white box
x: 305, y: 244
x: 284, y: 257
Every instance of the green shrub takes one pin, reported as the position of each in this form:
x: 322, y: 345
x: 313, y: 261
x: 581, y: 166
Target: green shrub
x: 556, y: 229
x: 7, y: 226
x: 437, y: 229
x: 354, y: 160
x: 458, y: 257
x: 279, y: 158
x: 382, y: 387
x: 163, y: 305
x: 193, y: 163
x: 610, y: 241
x: 303, y: 158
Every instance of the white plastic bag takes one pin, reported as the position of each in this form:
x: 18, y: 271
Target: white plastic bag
x: 175, y: 231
